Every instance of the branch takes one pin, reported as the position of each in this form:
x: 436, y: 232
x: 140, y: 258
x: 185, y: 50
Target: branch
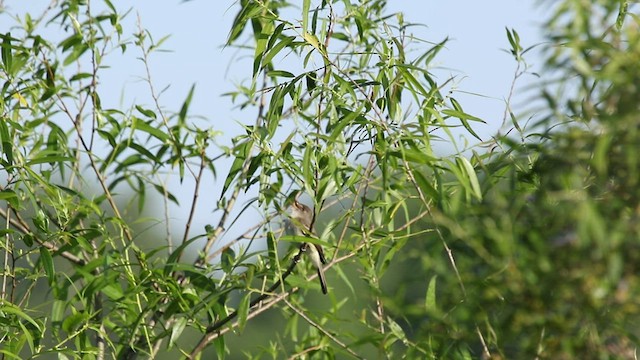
x: 196, y: 193
x: 322, y: 330
x: 236, y: 191
x: 212, y: 331
x: 19, y: 224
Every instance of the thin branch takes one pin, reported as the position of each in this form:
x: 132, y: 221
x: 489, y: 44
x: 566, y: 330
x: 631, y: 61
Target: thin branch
x: 196, y: 192
x: 231, y: 201
x: 19, y: 224
x: 212, y: 331
x: 321, y: 329
x: 366, y: 242
x: 6, y: 269
x: 427, y: 204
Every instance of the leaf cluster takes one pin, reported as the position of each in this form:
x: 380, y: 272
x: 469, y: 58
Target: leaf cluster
x: 527, y: 250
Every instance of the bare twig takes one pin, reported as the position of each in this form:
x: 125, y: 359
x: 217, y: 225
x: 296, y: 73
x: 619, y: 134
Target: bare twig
x: 196, y: 192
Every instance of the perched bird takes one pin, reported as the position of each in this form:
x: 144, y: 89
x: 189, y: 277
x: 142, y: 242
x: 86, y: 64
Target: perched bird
x: 303, y: 216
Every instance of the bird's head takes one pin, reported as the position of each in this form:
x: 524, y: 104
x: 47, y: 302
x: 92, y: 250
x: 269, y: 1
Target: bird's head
x: 301, y: 213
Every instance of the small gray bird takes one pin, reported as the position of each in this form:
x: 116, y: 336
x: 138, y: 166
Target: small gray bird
x: 303, y: 216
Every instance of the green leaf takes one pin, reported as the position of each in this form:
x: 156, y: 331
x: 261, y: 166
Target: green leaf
x: 463, y: 117
x: 113, y: 291
x: 307, y: 169
x: 275, y: 35
x: 5, y: 232
x: 164, y: 192
x: 347, y: 119
x: 396, y: 329
x: 311, y: 79
x: 47, y: 264
x: 514, y: 40
x: 315, y: 43
x: 345, y: 86
x: 280, y: 73
x: 6, y: 142
x: 176, y: 330
x: 241, y: 153
x: 7, y: 307
x: 412, y: 81
x: 470, y: 173
x: 58, y: 311
x: 49, y: 159
x: 144, y: 151
x: 430, y: 299
x: 77, y: 51
x: 414, y: 156
x: 81, y: 76
x: 306, y: 4
x: 228, y: 260
x: 276, y: 106
x: 272, y: 251
x: 154, y: 131
x: 10, y: 197
x: 72, y: 322
x: 182, y: 115
x: 243, y: 311
x: 248, y: 10
x: 514, y: 121
x: 146, y: 112
x: 41, y: 221
x: 622, y: 13
x: 28, y: 239
x: 425, y: 185
x: 261, y: 45
x: 174, y: 257
x: 276, y: 49
x: 7, y: 58
x: 219, y: 345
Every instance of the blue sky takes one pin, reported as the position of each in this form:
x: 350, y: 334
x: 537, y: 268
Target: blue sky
x: 474, y: 54
x: 198, y: 30
x: 195, y: 55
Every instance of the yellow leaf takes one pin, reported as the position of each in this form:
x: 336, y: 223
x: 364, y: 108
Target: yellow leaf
x: 21, y: 99
x: 313, y: 41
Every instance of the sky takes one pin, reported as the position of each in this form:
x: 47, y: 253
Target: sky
x: 475, y: 55
x: 194, y: 54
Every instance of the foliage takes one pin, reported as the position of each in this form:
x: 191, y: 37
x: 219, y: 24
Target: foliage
x: 549, y: 258
x: 528, y: 250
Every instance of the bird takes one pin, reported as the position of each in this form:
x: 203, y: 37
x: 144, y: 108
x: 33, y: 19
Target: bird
x: 303, y: 218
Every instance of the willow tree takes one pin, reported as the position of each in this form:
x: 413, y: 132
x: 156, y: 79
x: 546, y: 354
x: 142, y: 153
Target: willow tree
x: 428, y: 256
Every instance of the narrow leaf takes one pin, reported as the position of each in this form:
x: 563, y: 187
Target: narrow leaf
x: 243, y: 312
x: 182, y: 115
x: 306, y: 4
x: 47, y: 264
x: 470, y: 173
x: 276, y: 49
x: 176, y: 330
x: 430, y: 300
